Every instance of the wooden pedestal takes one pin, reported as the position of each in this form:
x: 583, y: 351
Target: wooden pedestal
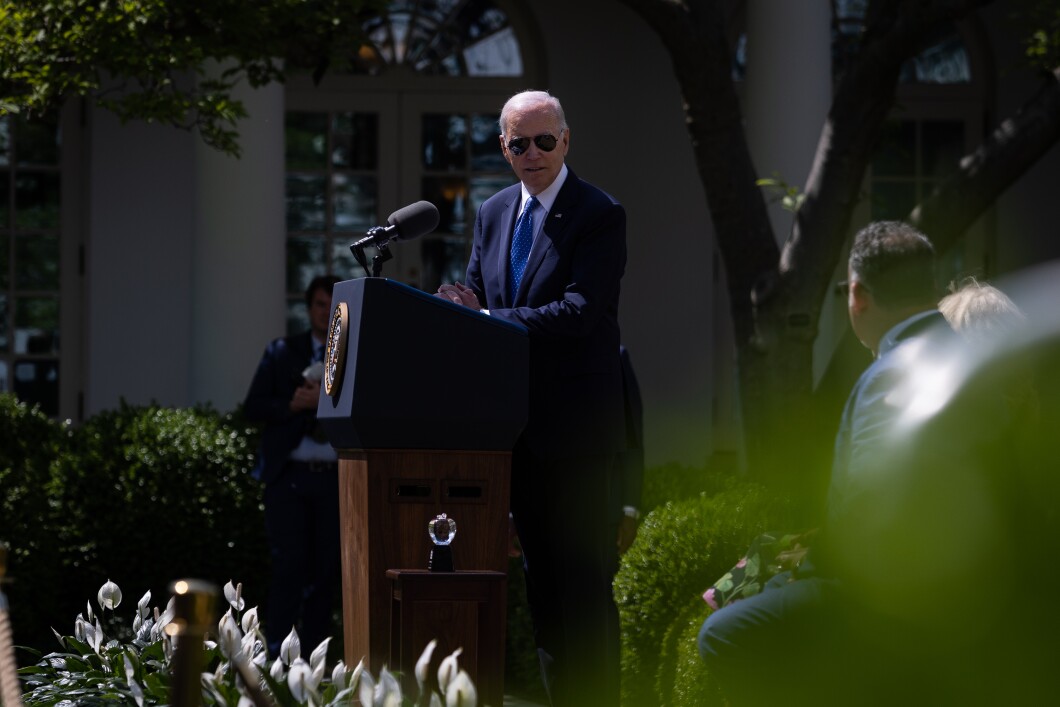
x: 387, y: 498
x: 464, y: 610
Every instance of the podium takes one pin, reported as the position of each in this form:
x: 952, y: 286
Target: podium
x: 423, y: 400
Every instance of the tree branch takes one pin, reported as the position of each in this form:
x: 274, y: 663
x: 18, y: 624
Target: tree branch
x: 984, y: 175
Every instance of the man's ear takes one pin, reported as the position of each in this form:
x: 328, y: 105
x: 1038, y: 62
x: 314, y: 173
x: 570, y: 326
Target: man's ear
x: 860, y: 297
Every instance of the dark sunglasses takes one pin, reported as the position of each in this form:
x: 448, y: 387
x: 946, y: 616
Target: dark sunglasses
x: 519, y: 145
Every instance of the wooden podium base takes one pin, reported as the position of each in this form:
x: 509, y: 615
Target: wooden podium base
x: 465, y: 610
x: 386, y: 499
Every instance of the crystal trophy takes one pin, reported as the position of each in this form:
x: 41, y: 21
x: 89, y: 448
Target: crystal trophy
x: 442, y: 530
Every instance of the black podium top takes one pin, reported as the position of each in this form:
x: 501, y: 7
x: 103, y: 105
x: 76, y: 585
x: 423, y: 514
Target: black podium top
x: 423, y: 373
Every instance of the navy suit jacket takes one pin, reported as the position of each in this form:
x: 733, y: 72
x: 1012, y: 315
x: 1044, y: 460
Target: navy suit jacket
x: 867, y: 428
x: 268, y: 400
x: 568, y: 300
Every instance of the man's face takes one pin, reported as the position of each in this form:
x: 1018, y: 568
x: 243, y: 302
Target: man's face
x: 535, y: 168
x: 320, y: 313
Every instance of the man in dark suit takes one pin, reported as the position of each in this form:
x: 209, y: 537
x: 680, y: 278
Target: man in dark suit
x: 300, y: 472
x: 795, y: 633
x: 549, y: 253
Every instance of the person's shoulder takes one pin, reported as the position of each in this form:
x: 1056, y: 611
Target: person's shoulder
x: 290, y: 342
x: 502, y: 198
x: 589, y: 193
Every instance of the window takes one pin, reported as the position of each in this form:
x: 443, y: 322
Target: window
x: 29, y: 261
x: 417, y: 119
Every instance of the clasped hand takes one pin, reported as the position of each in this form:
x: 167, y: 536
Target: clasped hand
x: 460, y: 294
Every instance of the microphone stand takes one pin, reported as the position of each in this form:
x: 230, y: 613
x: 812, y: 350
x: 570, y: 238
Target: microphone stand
x: 383, y: 252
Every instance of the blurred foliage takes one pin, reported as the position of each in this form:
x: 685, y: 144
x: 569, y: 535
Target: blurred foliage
x: 30, y: 445
x: 682, y: 547
x: 174, y: 62
x: 139, y: 495
x: 1043, y: 41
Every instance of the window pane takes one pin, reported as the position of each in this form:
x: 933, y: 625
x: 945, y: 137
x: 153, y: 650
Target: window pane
x: 343, y: 264
x: 36, y: 200
x: 356, y: 202
x: 306, y: 137
x: 946, y: 61
x: 297, y: 317
x: 483, y: 188
x: 38, y: 262
x: 444, y: 138
x: 306, y: 202
x: 5, y: 210
x: 37, y: 142
x: 942, y: 146
x: 4, y: 319
x: 892, y: 200
x: 5, y: 281
x: 36, y: 325
x: 449, y: 194
x: 356, y: 140
x: 305, y: 260
x: 495, y: 55
x: 37, y: 382
x: 486, y: 155
x: 895, y: 154
x: 5, y: 142
x: 444, y: 260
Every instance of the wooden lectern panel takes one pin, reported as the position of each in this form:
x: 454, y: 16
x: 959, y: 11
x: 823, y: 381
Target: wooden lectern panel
x: 387, y: 498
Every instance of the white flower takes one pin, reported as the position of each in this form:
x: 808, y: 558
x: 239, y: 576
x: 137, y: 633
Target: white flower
x: 233, y: 595
x: 339, y: 674
x: 291, y: 648
x: 367, y: 689
x: 142, y: 609
x: 461, y: 692
x: 94, y: 635
x: 447, y: 670
x: 320, y: 654
x: 424, y: 664
x: 229, y: 635
x: 81, y: 629
x: 276, y: 671
x: 109, y: 596
x: 388, y: 690
x: 250, y: 620
x: 300, y: 680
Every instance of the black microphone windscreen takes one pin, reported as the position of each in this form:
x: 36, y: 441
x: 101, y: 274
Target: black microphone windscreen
x: 414, y: 220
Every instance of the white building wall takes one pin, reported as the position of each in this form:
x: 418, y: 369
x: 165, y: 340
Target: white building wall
x: 184, y: 259
x: 239, y: 253
x: 628, y: 137
x: 138, y: 263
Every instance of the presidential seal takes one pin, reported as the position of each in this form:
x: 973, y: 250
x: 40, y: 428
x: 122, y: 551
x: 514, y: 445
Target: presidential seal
x: 335, y: 355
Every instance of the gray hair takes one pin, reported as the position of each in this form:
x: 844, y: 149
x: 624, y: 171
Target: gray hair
x: 529, y: 99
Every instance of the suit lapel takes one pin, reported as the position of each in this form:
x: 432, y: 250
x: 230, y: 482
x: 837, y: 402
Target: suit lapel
x: 508, y: 222
x: 562, y: 213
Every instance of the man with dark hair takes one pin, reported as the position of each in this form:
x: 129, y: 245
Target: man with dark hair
x: 760, y: 648
x: 300, y: 472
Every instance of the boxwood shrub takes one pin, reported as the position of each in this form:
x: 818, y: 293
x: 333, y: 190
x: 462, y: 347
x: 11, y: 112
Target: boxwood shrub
x: 681, y: 548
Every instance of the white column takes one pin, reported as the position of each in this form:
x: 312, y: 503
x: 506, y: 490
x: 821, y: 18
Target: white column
x: 238, y: 261
x: 788, y: 90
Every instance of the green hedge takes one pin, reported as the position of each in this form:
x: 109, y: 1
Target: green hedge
x: 138, y: 495
x: 143, y: 495
x: 681, y: 548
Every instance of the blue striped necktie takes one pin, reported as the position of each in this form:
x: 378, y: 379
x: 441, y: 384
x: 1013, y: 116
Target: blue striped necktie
x: 522, y: 239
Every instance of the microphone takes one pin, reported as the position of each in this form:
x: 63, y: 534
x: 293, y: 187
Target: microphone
x: 405, y: 224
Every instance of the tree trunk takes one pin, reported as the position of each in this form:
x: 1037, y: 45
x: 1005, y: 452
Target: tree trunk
x: 776, y: 295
